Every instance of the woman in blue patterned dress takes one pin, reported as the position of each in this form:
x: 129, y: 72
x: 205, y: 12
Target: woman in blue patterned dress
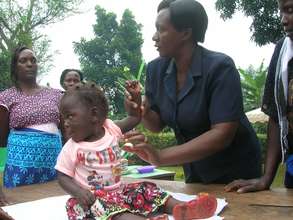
x: 29, y: 121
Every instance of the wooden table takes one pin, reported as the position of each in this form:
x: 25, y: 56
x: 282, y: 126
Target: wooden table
x: 274, y: 204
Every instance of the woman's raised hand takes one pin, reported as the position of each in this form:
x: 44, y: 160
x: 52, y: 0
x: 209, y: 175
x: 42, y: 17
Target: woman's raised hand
x: 133, y: 100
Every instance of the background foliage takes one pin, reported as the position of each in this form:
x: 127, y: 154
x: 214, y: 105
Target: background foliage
x: 116, y: 46
x: 127, y: 75
x: 265, y: 26
x: 21, y: 22
x: 115, y: 52
x: 252, y: 83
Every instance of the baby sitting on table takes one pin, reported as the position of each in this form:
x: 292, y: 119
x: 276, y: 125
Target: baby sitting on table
x: 89, y: 166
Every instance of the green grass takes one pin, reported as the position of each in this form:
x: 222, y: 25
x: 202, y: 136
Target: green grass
x: 1, y: 179
x: 179, y: 176
x: 278, y: 181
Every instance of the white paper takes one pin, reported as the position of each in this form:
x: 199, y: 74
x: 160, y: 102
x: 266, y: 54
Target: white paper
x: 53, y: 208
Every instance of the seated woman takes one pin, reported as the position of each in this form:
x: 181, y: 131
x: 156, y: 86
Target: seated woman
x: 70, y: 77
x: 29, y: 121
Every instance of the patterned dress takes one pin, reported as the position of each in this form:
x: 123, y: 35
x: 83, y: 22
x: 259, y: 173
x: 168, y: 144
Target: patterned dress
x: 32, y: 153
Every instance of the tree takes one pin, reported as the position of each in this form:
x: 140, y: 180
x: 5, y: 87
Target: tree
x: 115, y: 46
x: 4, y: 77
x: 265, y: 27
x: 253, y: 82
x: 20, y: 23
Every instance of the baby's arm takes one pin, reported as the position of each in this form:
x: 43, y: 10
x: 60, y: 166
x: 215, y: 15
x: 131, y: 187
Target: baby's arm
x: 127, y: 123
x: 132, y: 106
x: 84, y: 196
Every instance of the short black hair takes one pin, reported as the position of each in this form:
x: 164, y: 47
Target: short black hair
x: 187, y: 14
x: 64, y: 72
x: 91, y: 95
x: 14, y: 58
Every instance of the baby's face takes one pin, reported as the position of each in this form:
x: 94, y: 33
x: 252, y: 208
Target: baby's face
x: 78, y: 120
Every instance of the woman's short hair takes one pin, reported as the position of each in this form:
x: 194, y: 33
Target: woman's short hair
x: 64, y: 72
x: 187, y: 14
x: 13, y: 63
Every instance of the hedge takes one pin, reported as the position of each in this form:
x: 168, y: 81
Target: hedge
x: 161, y: 140
x: 166, y: 138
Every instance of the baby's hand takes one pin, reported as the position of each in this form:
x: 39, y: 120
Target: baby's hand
x: 85, y: 198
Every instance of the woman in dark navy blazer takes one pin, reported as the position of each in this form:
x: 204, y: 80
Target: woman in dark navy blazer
x: 197, y: 93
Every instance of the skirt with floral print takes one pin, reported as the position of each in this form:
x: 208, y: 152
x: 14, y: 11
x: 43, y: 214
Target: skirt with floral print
x: 141, y: 198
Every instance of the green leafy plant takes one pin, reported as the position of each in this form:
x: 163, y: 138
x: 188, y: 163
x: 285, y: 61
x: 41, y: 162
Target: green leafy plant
x: 261, y: 132
x: 128, y: 75
x: 252, y: 82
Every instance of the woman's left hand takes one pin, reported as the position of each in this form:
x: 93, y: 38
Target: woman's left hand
x: 141, y: 147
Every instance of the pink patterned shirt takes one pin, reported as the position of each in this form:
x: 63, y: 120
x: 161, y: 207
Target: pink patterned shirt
x: 94, y: 165
x: 26, y: 110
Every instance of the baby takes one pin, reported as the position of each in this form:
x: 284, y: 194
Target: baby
x: 89, y: 167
